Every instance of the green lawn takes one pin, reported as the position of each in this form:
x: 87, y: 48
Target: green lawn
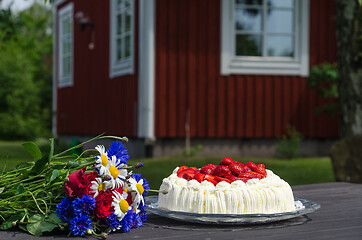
x: 295, y: 172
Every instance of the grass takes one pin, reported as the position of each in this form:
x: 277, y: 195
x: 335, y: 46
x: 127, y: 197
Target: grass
x: 296, y: 172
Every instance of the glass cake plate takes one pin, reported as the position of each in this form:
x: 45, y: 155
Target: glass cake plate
x: 303, y: 206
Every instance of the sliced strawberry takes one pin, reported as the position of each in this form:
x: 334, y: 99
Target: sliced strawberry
x: 251, y: 175
x: 260, y: 168
x: 180, y: 169
x: 232, y: 178
x: 227, y: 161
x: 251, y: 165
x: 211, y: 165
x: 188, y: 176
x: 199, y: 177
x: 211, y: 178
x: 246, y: 168
x: 236, y: 168
x: 195, y: 169
x: 220, y: 179
x: 222, y: 171
x: 207, y: 169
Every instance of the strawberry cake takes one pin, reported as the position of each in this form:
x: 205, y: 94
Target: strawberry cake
x: 229, y: 188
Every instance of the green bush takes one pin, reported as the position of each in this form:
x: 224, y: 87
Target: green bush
x: 288, y: 146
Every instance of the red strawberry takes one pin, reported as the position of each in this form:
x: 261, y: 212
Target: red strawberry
x: 211, y: 165
x: 195, y: 169
x: 188, y: 176
x: 251, y: 175
x: 233, y: 178
x: 236, y: 169
x: 180, y: 169
x: 220, y: 179
x: 247, y: 169
x: 207, y: 169
x: 199, y: 177
x: 222, y: 171
x: 227, y: 161
x: 211, y: 179
x: 251, y: 165
x: 260, y: 168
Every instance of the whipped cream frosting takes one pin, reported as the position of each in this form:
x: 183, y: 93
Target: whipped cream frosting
x: 268, y: 195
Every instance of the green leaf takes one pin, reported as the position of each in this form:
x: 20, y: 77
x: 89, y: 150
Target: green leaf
x: 8, y: 223
x: 33, y: 150
x: 2, y: 189
x: 54, y: 218
x: 55, y: 174
x: 51, y: 149
x: 19, y: 189
x: 40, y: 164
x: 38, y: 225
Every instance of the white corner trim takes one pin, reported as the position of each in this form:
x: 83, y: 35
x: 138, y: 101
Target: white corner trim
x: 146, y: 70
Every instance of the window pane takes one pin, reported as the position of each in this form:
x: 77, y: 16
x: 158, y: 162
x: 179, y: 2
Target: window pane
x: 128, y: 22
x: 128, y: 46
x: 119, y: 24
x: 248, y: 45
x: 280, y: 21
x: 280, y: 46
x: 281, y: 3
x: 250, y: 2
x: 119, y: 49
x: 249, y: 19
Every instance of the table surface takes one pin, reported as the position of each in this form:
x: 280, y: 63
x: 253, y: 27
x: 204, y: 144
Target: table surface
x: 340, y: 217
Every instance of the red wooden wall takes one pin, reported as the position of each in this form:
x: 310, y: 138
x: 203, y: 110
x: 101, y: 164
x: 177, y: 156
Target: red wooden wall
x: 234, y: 106
x: 96, y: 103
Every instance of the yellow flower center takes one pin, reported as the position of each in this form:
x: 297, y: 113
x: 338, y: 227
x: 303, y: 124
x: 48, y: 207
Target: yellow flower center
x: 134, y: 210
x: 125, y: 190
x: 104, y: 160
x: 123, y: 205
x: 140, y: 188
x: 114, y: 171
x: 101, y: 187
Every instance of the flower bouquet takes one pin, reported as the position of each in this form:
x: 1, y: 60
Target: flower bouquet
x: 93, y: 194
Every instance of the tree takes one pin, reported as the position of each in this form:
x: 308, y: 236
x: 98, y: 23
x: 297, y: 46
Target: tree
x: 349, y: 62
x: 25, y: 73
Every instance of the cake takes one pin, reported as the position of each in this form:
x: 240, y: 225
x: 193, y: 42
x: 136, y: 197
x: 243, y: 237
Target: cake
x: 230, y: 188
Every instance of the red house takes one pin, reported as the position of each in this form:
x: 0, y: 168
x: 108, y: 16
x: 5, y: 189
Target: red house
x: 231, y: 70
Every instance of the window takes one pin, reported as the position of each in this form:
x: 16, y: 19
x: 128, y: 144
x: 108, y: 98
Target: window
x: 121, y: 37
x: 65, y: 41
x: 265, y: 37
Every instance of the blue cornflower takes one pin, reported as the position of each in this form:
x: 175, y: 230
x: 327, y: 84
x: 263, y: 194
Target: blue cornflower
x: 117, y: 149
x: 146, y: 187
x: 84, y: 204
x: 142, y: 212
x: 127, y: 221
x: 113, y: 222
x: 65, y: 210
x: 79, y: 225
x: 137, y: 221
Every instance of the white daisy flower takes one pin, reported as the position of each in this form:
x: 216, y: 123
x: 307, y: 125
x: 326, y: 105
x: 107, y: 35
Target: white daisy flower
x: 137, y: 191
x: 102, y: 160
x: 99, y: 185
x: 116, y: 172
x: 120, y: 204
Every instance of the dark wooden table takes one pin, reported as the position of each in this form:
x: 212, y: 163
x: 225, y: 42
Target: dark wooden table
x: 340, y: 217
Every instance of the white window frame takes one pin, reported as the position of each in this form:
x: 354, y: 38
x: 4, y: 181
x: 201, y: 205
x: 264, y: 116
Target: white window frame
x: 232, y: 64
x: 65, y: 12
x: 125, y: 66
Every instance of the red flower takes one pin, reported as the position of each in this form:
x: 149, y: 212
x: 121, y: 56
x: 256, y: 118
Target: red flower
x: 104, y: 206
x: 79, y: 182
